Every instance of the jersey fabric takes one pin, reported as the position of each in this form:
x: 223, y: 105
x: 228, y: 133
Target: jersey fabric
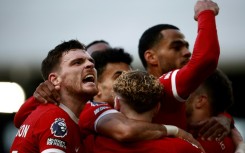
x: 25, y: 110
x: 91, y: 114
x: 216, y: 146
x: 224, y: 146
x: 179, y: 84
x: 49, y: 128
x: 100, y: 144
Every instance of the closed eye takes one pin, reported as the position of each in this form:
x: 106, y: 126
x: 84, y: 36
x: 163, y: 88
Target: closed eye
x: 178, y: 45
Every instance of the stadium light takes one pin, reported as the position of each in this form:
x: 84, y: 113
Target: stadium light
x: 12, y: 97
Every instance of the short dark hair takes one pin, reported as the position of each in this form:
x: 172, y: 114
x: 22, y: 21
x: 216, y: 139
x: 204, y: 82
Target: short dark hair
x: 139, y: 89
x: 110, y: 55
x: 96, y: 42
x: 219, y: 88
x: 150, y: 38
x: 53, y: 58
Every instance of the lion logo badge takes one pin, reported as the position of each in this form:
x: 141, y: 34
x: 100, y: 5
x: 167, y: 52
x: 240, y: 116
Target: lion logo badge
x: 59, y: 128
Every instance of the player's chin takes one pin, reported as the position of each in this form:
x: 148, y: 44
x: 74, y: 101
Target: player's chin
x: 90, y: 88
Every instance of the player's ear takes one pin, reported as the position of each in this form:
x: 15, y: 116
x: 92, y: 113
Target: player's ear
x: 54, y: 78
x: 202, y: 101
x: 150, y: 57
x: 117, y: 103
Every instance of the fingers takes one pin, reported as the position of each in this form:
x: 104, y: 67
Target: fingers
x: 203, y: 5
x: 46, y: 92
x: 51, y: 90
x: 39, y: 98
x: 213, y: 130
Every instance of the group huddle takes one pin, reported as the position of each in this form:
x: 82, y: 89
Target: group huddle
x: 92, y: 100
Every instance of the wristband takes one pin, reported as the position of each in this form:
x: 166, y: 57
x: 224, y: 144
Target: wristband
x: 171, y: 130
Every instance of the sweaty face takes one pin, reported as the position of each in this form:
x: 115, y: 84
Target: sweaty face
x: 172, y: 51
x: 77, y: 73
x: 111, y: 73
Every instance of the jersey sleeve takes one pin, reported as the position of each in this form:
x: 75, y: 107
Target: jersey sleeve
x: 203, y: 62
x: 91, y: 114
x: 25, y: 110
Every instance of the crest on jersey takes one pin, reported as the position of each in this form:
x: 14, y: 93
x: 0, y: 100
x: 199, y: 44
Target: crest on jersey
x: 59, y: 128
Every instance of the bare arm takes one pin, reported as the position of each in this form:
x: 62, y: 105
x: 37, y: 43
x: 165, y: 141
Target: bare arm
x: 121, y: 128
x: 206, y: 51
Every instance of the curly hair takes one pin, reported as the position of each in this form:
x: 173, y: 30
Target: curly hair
x: 141, y: 91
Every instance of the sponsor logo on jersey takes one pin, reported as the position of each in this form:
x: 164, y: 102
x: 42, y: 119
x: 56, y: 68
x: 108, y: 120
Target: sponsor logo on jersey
x: 100, y: 109
x: 93, y: 103
x: 59, y: 128
x: 23, y: 130
x: 56, y: 142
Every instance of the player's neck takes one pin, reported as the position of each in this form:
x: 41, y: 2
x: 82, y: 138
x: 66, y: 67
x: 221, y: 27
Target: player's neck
x: 154, y: 70
x: 146, y: 117
x: 74, y: 104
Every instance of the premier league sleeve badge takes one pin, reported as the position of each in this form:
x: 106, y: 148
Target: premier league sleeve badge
x: 58, y: 128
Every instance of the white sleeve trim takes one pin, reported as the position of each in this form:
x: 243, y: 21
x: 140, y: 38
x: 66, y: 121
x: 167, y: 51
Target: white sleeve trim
x: 102, y: 115
x: 174, y: 89
x: 52, y: 150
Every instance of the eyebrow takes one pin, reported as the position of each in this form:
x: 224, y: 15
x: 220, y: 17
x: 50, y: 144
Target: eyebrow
x: 179, y: 42
x: 82, y: 59
x: 117, y: 73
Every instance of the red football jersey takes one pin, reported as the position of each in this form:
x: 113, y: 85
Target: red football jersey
x: 48, y: 128
x: 100, y: 144
x: 224, y: 146
x: 179, y: 84
x: 90, y: 115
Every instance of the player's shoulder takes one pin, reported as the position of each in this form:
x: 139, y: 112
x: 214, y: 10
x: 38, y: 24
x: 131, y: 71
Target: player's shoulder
x: 51, y: 109
x: 168, y: 75
x: 51, y: 112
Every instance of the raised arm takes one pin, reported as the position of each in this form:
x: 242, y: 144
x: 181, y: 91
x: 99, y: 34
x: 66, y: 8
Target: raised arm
x: 206, y: 51
x: 121, y: 128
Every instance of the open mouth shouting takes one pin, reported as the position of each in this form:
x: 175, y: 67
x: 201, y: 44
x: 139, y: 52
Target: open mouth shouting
x: 88, y: 78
